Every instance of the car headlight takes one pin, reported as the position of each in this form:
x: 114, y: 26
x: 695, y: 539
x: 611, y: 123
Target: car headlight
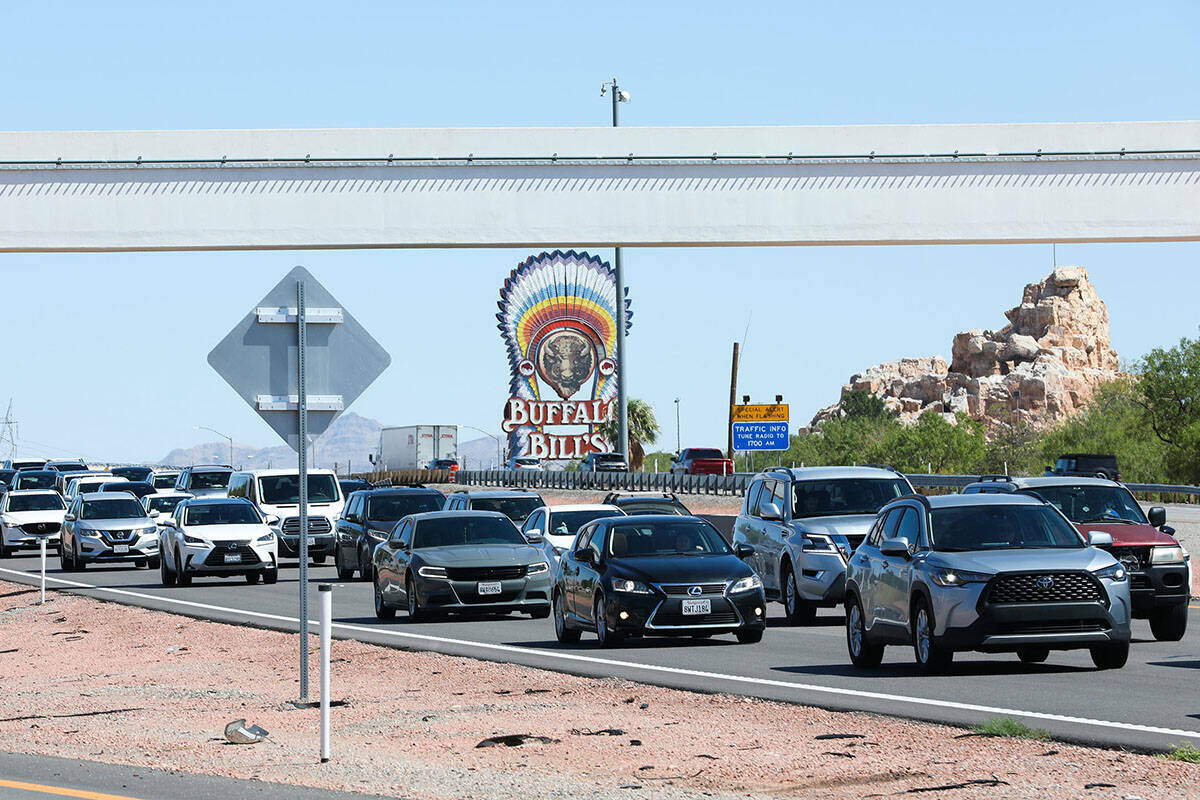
x: 1116, y: 572
x: 958, y: 577
x: 148, y: 531
x: 746, y: 584
x: 630, y: 587
x: 818, y: 543
x: 91, y: 532
x: 432, y: 572
x: 537, y: 569
x: 266, y: 538
x: 192, y: 540
x: 1166, y: 555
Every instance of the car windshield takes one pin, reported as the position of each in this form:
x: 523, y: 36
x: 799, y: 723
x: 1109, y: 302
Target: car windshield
x: 1001, y: 527
x: 210, y: 479
x: 666, y: 538
x: 527, y: 462
x: 843, y: 496
x: 391, y: 507
x: 609, y: 458
x: 163, y: 505
x: 515, y: 508
x: 465, y: 531
x: 135, y: 489
x: 568, y: 523
x: 221, y: 514
x: 6, y: 475
x: 162, y: 481
x: 284, y: 490
x: 34, y: 480
x: 705, y: 453
x: 654, y: 507
x: 35, y: 502
x: 89, y: 486
x: 444, y: 463
x: 1084, y: 504
x: 112, y: 509
x: 132, y: 473
x: 70, y: 467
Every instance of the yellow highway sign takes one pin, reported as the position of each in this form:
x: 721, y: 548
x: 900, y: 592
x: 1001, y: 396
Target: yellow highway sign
x: 760, y: 412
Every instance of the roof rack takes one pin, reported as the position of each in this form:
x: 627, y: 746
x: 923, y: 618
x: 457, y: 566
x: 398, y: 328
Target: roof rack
x: 922, y: 499
x: 779, y: 468
x: 995, y: 478
x: 222, y: 466
x: 617, y: 494
x: 888, y: 467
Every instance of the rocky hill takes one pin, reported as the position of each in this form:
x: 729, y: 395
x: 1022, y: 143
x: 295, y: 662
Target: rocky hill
x: 1040, y: 368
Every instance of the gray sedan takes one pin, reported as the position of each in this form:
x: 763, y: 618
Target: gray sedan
x: 459, y: 561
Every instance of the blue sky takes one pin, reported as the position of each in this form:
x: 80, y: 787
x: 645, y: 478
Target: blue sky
x: 106, y: 353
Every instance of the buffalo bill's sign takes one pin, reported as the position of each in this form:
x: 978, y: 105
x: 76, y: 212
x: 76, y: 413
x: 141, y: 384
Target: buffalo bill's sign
x: 558, y: 317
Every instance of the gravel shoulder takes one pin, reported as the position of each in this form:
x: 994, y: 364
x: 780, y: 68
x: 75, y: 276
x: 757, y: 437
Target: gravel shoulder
x: 92, y: 680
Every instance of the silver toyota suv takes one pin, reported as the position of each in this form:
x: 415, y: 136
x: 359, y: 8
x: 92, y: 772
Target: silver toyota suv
x: 803, y: 525
x: 989, y: 572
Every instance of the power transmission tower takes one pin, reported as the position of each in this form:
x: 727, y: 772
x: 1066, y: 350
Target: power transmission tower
x: 8, y: 432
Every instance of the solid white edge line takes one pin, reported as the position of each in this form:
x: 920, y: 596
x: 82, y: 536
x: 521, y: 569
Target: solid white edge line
x: 608, y: 662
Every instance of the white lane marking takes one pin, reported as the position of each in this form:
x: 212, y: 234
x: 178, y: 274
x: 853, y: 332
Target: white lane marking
x: 608, y: 662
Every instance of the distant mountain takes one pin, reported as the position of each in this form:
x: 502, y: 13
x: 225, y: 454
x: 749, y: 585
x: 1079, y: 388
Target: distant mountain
x: 345, y: 444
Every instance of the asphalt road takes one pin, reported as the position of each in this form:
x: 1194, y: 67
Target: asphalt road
x: 24, y: 777
x: 1150, y: 704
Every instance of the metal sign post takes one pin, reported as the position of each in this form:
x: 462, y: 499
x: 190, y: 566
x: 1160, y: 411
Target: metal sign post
x: 42, y: 547
x: 325, y: 592
x: 302, y: 410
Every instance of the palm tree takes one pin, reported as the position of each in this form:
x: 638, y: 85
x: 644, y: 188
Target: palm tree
x: 643, y: 429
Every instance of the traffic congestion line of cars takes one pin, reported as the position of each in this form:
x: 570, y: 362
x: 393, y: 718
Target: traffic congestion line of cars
x: 1021, y: 565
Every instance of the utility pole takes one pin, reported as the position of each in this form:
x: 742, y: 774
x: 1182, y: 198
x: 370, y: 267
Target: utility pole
x: 732, y: 396
x: 678, y: 449
x: 618, y: 97
x: 9, y: 433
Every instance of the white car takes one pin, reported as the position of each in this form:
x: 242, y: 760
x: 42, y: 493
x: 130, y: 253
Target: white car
x: 163, y: 480
x: 557, y: 525
x: 27, y: 516
x: 526, y: 464
x: 164, y: 503
x: 219, y: 536
x: 85, y: 484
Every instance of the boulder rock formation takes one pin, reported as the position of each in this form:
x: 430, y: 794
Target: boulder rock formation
x: 1040, y: 368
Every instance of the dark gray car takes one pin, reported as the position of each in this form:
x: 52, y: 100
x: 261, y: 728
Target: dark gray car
x: 462, y: 561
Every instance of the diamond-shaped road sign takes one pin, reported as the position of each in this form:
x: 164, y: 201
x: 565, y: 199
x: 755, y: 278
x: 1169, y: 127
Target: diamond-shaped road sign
x: 259, y: 358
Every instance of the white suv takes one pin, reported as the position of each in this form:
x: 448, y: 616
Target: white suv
x: 27, y: 516
x: 276, y: 492
x: 217, y: 536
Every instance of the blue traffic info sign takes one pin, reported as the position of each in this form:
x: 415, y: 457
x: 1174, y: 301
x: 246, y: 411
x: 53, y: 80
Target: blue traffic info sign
x: 760, y: 436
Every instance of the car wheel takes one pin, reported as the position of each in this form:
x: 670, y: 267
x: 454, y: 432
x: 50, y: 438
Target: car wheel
x: 1169, y: 624
x: 270, y: 576
x: 5, y: 552
x: 165, y: 574
x: 77, y: 562
x: 604, y: 635
x: 343, y: 573
x: 1110, y: 656
x: 863, y: 653
x: 364, y: 569
x: 382, y: 609
x: 749, y: 636
x: 182, y: 577
x: 540, y: 613
x: 415, y: 612
x: 799, y: 611
x: 561, y: 631
x: 318, y: 559
x: 252, y: 578
x: 1033, y: 655
x: 932, y: 656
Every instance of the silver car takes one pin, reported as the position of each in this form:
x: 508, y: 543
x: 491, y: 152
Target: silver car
x: 103, y: 527
x: 803, y: 525
x: 988, y: 572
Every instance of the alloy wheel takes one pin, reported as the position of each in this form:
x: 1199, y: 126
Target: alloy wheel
x: 924, y: 636
x: 854, y: 627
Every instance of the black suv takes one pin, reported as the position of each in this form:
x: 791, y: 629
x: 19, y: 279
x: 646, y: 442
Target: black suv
x: 647, y: 503
x: 1086, y: 465
x: 516, y: 504
x: 369, y: 517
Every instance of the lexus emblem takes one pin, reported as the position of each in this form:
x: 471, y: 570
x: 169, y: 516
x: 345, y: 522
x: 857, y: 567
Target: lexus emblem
x: 695, y: 591
x: 1044, y: 582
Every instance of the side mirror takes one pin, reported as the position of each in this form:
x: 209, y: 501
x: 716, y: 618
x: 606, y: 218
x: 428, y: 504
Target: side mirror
x: 1158, y: 516
x: 1099, y: 539
x: 1049, y: 469
x: 743, y: 550
x: 533, y: 537
x: 272, y: 519
x: 155, y: 515
x: 68, y: 518
x: 586, y: 556
x: 770, y: 511
x: 896, y: 547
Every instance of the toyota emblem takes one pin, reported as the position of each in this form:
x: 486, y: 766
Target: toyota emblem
x: 695, y: 591
x: 1044, y: 582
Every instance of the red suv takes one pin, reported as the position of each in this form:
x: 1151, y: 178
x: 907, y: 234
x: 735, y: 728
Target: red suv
x: 701, y: 461
x: 1158, y: 567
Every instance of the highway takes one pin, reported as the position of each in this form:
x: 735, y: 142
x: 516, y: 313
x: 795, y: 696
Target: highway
x: 1150, y: 704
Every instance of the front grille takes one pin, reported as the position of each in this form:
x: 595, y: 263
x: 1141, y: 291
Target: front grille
x: 1140, y: 582
x: 316, y: 526
x: 485, y: 573
x: 681, y: 589
x: 217, y: 557
x: 665, y: 619
x: 1134, y: 559
x: 1050, y: 626
x: 119, y: 537
x: 41, y: 527
x: 1045, y: 587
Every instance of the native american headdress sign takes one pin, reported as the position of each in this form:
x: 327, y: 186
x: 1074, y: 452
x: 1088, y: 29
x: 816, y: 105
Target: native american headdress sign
x: 558, y: 316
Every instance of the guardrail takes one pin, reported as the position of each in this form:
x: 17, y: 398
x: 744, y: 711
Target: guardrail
x: 734, y: 484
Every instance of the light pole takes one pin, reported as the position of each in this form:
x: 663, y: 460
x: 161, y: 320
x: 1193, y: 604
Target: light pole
x: 485, y: 433
x: 222, y: 435
x: 618, y: 97
x: 677, y: 446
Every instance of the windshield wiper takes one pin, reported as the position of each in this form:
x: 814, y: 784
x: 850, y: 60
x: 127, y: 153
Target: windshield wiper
x: 1107, y: 519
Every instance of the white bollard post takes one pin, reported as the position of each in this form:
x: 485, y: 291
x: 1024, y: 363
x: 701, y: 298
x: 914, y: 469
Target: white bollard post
x: 325, y: 592
x: 42, y: 546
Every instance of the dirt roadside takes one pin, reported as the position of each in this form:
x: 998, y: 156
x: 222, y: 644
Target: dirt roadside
x: 100, y: 681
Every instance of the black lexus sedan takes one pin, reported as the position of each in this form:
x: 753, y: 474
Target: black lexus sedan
x: 656, y: 576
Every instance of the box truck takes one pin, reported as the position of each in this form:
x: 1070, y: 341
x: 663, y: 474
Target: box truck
x: 415, y: 446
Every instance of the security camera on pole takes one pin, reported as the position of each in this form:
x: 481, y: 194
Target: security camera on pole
x: 619, y: 96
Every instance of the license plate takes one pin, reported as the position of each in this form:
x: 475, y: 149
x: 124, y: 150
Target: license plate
x: 488, y: 587
x: 233, y: 558
x: 120, y: 548
x: 697, y: 607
